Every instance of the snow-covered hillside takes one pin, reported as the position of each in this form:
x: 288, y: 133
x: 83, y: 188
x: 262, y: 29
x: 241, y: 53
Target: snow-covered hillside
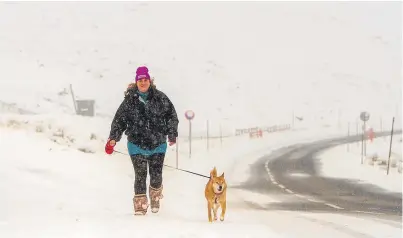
x: 238, y: 63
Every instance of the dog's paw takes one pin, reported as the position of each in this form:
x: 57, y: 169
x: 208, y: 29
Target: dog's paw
x: 221, y: 218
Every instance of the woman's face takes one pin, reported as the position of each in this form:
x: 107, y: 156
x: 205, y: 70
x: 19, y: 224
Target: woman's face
x: 143, y: 85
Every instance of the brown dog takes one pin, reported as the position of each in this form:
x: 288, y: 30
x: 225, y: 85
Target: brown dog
x: 216, y: 195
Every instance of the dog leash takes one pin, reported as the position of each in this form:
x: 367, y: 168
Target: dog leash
x: 183, y: 170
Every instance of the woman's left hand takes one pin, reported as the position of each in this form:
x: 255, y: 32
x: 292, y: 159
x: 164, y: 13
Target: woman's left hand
x: 172, y: 142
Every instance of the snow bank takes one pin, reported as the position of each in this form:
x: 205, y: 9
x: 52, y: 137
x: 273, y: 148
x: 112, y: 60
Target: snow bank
x: 338, y: 162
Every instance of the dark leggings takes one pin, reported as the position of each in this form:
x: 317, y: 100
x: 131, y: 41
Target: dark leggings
x: 155, y: 164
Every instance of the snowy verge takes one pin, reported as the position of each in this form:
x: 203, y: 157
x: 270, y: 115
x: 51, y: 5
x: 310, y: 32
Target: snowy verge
x: 344, y: 161
x: 377, y: 153
x: 86, y: 134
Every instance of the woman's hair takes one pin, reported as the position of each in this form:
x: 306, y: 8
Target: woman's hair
x: 134, y: 86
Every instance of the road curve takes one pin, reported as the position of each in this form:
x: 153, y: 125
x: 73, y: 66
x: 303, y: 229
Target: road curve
x: 274, y: 175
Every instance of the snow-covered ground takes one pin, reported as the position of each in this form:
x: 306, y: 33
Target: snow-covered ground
x: 344, y: 161
x: 52, y: 190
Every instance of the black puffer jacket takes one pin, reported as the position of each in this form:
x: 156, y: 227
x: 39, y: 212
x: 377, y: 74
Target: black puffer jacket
x: 146, y: 125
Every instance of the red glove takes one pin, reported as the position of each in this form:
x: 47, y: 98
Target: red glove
x: 172, y: 141
x: 110, y: 144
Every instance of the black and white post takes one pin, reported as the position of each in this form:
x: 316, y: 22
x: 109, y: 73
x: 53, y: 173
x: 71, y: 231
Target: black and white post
x: 390, y: 146
x: 190, y: 138
x: 74, y: 99
x: 189, y: 114
x: 357, y: 133
x: 364, y: 116
x: 348, y: 134
x: 365, y: 138
x: 293, y: 118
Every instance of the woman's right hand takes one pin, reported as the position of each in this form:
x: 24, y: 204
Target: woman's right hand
x: 109, y: 147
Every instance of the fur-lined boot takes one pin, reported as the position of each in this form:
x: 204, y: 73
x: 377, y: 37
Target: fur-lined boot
x: 140, y: 203
x: 155, y: 197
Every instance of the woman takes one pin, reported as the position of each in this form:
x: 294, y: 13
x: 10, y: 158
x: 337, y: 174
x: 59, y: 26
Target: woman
x: 147, y: 116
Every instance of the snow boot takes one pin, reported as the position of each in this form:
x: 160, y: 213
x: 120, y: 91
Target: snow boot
x: 140, y: 203
x: 155, y: 197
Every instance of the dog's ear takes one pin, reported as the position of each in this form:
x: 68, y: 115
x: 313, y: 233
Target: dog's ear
x: 213, y: 173
x: 222, y: 175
